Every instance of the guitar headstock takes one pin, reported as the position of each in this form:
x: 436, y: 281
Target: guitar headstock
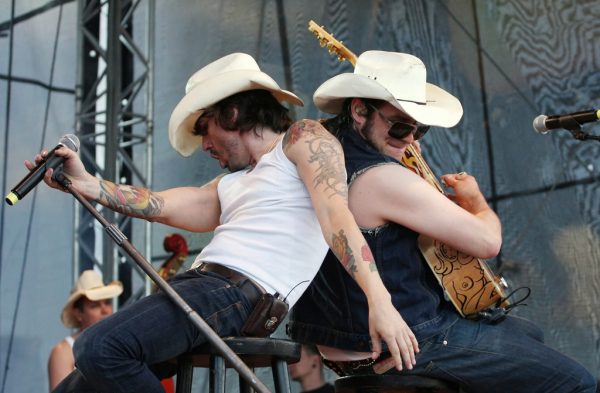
x: 333, y: 45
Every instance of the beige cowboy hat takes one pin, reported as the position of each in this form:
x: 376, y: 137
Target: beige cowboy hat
x: 397, y: 78
x: 220, y: 79
x: 91, y: 286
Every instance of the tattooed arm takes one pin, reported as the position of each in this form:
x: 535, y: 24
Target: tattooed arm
x: 319, y: 159
x: 190, y: 208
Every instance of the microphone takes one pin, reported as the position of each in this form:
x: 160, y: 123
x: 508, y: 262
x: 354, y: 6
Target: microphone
x: 37, y: 174
x: 542, y: 124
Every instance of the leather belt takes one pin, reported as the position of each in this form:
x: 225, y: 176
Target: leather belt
x: 355, y: 367
x: 249, y: 287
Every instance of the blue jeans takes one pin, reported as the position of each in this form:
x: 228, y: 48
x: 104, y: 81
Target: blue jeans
x: 507, y: 357
x: 118, y: 353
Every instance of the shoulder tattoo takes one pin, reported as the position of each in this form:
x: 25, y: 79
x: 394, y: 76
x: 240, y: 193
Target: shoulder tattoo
x: 325, y: 152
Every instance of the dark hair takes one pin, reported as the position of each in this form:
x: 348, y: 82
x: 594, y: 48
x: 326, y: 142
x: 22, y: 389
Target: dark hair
x: 343, y: 122
x: 79, y: 303
x: 255, y: 109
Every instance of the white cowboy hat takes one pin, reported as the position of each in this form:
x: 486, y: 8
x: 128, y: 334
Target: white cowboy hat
x: 91, y: 286
x: 220, y: 79
x: 397, y: 78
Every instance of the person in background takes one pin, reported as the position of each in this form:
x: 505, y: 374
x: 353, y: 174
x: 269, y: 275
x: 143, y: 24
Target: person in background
x: 90, y: 301
x: 308, y: 371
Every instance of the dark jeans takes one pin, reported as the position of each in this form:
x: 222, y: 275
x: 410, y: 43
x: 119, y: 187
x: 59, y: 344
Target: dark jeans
x: 117, y: 353
x: 506, y: 357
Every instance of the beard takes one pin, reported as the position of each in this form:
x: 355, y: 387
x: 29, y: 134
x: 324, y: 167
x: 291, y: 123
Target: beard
x: 366, y: 132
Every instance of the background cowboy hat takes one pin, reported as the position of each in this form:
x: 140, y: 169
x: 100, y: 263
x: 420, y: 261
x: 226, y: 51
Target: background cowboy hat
x: 91, y: 286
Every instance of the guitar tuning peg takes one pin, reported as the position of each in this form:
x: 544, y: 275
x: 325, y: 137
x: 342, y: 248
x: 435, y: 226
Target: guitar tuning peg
x: 341, y: 58
x: 322, y: 42
x: 329, y: 46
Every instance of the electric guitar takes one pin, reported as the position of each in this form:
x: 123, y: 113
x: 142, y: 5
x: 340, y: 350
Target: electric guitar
x: 468, y: 282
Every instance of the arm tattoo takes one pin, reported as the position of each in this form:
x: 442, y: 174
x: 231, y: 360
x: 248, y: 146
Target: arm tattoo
x: 367, y: 256
x: 325, y: 152
x: 130, y: 200
x: 294, y: 133
x: 343, y: 252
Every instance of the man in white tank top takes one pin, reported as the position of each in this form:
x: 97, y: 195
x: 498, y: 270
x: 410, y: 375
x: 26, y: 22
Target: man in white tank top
x: 273, y: 218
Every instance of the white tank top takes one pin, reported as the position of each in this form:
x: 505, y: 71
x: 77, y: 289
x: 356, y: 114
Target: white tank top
x: 268, y: 228
x: 70, y: 340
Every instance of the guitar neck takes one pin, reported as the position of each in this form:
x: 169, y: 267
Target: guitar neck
x: 423, y: 169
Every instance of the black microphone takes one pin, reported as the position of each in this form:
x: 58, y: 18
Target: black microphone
x: 37, y: 174
x: 543, y: 123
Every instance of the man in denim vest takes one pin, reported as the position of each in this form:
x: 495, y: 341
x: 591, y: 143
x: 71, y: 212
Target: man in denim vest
x: 382, y: 108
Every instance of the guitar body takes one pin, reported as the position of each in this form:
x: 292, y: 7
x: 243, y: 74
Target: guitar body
x: 468, y: 282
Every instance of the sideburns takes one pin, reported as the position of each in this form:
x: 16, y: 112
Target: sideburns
x: 366, y: 132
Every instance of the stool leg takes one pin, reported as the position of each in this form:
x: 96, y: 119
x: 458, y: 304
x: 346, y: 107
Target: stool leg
x: 281, y: 378
x: 245, y: 386
x: 216, y: 378
x: 184, y: 377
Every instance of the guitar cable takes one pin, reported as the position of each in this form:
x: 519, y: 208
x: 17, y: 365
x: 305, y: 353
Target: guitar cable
x: 496, y: 314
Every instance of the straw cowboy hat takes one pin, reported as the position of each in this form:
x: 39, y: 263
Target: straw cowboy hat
x: 397, y: 78
x: 91, y: 286
x: 220, y: 79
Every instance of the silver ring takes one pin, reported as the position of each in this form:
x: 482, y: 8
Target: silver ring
x: 462, y: 173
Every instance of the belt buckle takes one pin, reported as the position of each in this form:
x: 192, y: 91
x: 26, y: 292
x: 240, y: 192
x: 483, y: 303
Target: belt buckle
x: 221, y: 270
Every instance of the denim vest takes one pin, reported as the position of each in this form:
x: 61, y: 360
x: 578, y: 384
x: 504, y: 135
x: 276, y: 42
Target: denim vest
x: 334, y: 311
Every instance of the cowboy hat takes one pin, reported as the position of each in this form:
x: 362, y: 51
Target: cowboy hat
x: 397, y: 78
x: 220, y: 79
x: 91, y: 286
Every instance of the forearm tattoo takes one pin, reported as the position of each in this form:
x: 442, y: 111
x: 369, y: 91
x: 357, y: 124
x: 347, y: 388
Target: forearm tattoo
x: 325, y: 152
x: 130, y: 200
x: 367, y: 256
x: 343, y: 252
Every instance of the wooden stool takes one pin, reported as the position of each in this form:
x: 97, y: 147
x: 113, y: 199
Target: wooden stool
x: 254, y: 352
x: 392, y: 383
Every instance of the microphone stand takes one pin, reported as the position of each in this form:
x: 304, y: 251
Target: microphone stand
x: 213, y: 338
x: 574, y: 128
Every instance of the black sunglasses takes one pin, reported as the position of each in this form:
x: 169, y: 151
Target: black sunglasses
x: 400, y: 129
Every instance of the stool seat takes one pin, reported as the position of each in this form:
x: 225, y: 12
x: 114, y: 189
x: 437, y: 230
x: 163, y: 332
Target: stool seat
x: 395, y: 383
x: 253, y: 351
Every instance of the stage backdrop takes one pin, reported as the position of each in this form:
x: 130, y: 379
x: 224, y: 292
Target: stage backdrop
x: 507, y: 61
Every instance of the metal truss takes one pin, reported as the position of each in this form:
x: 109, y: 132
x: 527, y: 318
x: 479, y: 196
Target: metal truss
x: 114, y: 121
